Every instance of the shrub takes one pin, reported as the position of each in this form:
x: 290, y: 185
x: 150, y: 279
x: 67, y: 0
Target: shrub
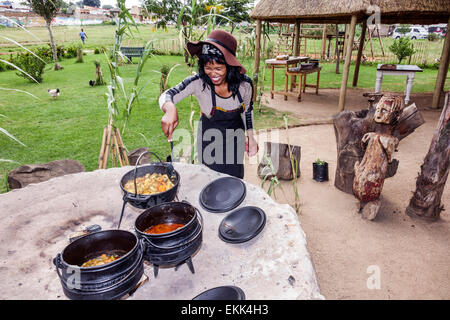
x: 402, y: 48
x: 97, y: 51
x: 31, y: 65
x: 71, y: 51
x: 432, y: 37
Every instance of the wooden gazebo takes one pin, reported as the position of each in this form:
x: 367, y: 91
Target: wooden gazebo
x: 353, y: 12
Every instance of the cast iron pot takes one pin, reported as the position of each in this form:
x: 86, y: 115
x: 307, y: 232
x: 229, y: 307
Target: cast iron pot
x: 144, y: 201
x: 105, y: 282
x: 175, y: 246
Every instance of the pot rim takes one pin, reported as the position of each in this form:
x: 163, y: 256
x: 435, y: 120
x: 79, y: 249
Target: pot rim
x: 139, y: 196
x: 170, y: 233
x: 104, y: 266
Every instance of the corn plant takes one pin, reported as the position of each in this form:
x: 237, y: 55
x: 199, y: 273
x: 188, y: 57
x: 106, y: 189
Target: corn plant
x: 270, y: 174
x: 125, y: 25
x: 294, y: 166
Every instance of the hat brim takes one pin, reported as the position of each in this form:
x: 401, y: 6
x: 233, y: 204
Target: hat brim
x: 195, y: 49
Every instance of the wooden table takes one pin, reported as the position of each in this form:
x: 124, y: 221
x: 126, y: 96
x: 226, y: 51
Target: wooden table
x: 274, y: 63
x: 400, y: 70
x: 301, y: 86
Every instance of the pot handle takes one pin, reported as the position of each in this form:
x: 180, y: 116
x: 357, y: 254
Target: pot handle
x: 150, y: 243
x: 57, y: 263
x: 135, y: 168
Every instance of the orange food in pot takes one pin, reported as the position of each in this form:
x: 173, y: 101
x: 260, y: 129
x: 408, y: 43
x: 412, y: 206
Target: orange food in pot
x: 149, y: 184
x: 163, y: 228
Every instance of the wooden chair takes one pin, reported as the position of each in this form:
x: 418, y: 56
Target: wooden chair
x: 301, y: 73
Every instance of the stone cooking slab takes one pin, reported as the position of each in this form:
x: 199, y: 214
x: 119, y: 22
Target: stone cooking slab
x: 38, y: 220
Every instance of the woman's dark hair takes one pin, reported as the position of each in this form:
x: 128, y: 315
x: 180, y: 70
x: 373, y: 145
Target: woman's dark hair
x: 233, y: 77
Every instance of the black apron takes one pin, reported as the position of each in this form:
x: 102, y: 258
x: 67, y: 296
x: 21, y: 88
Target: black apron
x: 222, y: 139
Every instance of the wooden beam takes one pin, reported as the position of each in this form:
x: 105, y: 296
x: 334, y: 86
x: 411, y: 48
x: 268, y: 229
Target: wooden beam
x: 348, y: 58
x: 443, y: 69
x: 257, y: 57
x: 360, y: 52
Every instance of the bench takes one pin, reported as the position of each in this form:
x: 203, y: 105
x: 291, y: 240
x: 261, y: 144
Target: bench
x: 131, y: 52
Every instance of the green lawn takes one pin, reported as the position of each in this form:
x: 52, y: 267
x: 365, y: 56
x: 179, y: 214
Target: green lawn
x: 424, y: 81
x: 72, y: 126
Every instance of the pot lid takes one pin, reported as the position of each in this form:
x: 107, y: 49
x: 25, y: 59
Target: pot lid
x: 222, y: 293
x: 223, y: 194
x: 242, y: 225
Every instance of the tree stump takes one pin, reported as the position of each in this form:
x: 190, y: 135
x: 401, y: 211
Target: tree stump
x: 35, y: 173
x: 278, y: 155
x: 426, y: 200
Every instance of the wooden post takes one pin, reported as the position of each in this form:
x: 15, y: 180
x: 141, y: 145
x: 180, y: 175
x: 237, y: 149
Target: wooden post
x: 337, y: 49
x: 348, y: 58
x: 297, y: 39
x: 257, y: 57
x: 296, y: 48
x: 346, y: 35
x: 324, y: 41
x: 379, y: 40
x: 360, y: 52
x: 443, y: 69
x: 426, y: 201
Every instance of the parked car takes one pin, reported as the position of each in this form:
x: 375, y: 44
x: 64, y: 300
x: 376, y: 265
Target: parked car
x: 439, y: 29
x: 412, y: 33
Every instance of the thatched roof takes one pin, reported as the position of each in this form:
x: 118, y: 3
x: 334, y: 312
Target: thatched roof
x: 340, y: 11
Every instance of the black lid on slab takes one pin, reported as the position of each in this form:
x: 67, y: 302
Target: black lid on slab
x: 223, y: 194
x: 222, y: 293
x: 242, y: 224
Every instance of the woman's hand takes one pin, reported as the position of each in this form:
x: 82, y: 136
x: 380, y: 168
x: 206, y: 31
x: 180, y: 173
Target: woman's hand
x: 169, y: 121
x: 251, y: 146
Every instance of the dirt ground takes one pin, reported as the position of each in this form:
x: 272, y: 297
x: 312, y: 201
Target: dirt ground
x: 394, y: 256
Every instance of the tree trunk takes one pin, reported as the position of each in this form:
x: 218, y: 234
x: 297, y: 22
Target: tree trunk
x: 53, y: 45
x: 349, y: 129
x: 426, y: 201
x: 279, y: 156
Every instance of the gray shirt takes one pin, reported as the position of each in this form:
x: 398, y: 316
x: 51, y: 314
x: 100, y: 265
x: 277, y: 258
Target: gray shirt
x: 194, y: 86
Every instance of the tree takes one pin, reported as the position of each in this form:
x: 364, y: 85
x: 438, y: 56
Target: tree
x: 237, y: 11
x: 48, y: 9
x: 166, y: 11
x: 402, y: 48
x: 92, y: 3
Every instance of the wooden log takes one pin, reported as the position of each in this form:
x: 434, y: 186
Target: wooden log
x: 426, y: 200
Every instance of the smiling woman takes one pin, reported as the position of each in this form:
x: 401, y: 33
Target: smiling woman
x: 225, y: 97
